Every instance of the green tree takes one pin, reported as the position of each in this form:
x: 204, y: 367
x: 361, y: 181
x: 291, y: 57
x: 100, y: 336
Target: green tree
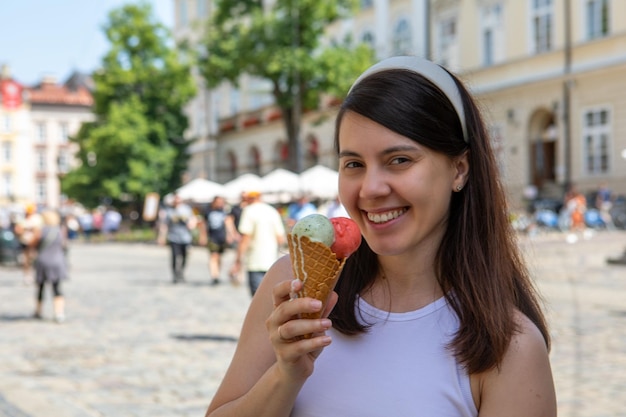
x: 283, y: 44
x: 135, y: 145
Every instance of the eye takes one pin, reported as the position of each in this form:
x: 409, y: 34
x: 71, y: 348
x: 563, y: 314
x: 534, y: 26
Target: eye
x: 399, y: 160
x: 352, y: 164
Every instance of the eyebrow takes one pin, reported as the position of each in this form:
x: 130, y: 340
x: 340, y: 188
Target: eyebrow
x: 387, y: 151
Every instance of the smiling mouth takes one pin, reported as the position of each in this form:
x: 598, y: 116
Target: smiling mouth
x: 379, y: 218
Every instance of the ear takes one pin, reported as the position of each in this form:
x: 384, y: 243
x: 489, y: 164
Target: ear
x: 461, y: 166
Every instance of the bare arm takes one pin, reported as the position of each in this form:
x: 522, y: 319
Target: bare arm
x: 523, y: 385
x: 269, y: 366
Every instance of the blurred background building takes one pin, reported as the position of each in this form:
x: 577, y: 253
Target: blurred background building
x: 35, y: 125
x: 549, y: 75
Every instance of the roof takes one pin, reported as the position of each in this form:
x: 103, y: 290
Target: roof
x: 49, y: 92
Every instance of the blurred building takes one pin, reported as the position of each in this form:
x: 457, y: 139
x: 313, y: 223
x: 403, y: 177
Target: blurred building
x: 35, y: 125
x: 549, y: 75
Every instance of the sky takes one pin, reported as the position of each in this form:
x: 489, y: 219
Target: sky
x: 56, y: 37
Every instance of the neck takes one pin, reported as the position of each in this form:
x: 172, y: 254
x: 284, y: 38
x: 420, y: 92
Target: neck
x: 402, y: 287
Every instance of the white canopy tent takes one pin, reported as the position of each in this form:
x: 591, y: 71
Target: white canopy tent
x: 244, y: 182
x: 199, y: 190
x: 320, y: 182
x: 280, y: 186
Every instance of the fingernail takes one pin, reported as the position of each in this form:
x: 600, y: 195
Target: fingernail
x: 316, y: 304
x: 294, y: 283
x: 326, y: 324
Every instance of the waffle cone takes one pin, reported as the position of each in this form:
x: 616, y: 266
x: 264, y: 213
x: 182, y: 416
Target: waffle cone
x: 316, y: 266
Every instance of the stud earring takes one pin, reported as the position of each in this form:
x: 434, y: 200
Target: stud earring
x: 459, y: 187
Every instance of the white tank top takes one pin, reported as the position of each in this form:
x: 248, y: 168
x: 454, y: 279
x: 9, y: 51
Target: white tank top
x: 400, y: 367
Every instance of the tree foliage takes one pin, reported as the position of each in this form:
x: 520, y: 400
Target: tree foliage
x: 135, y: 145
x: 283, y: 44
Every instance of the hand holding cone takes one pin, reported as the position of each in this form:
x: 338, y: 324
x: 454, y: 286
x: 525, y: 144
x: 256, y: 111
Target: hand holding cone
x: 313, y: 260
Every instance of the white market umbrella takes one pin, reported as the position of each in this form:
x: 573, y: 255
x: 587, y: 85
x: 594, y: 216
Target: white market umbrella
x: 280, y: 182
x: 244, y: 182
x: 320, y: 182
x: 200, y: 190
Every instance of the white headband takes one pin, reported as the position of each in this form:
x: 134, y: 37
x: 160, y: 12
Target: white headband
x: 429, y: 70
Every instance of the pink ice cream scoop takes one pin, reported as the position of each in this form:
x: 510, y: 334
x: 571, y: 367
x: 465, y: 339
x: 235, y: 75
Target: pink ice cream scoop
x: 347, y: 237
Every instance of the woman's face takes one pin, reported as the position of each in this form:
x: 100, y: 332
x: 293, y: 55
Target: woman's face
x: 397, y: 190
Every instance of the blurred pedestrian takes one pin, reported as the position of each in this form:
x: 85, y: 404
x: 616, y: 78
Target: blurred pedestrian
x: 300, y: 208
x: 85, y: 219
x: 51, y: 263
x: 218, y: 234
x: 176, y: 224
x: 262, y: 234
x: 336, y: 209
x: 111, y: 222
x: 604, y: 204
x: 26, y: 231
x: 576, y: 205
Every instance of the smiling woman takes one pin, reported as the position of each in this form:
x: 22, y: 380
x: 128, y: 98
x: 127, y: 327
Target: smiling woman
x: 435, y: 313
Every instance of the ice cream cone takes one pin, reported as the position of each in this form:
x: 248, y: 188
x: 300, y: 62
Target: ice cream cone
x: 316, y: 266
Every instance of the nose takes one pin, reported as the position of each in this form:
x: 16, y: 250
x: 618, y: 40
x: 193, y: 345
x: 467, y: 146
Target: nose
x: 374, y: 185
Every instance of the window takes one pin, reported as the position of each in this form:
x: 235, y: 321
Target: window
x: 41, y: 191
x: 488, y: 47
x: 255, y: 160
x: 368, y: 38
x: 492, y: 34
x: 201, y: 9
x: 366, y: 4
x: 234, y: 101
x: 42, y: 132
x: 183, y: 18
x: 41, y: 160
x: 7, y: 151
x: 541, y: 16
x: 402, y: 38
x: 7, y: 185
x: 6, y: 123
x: 597, y: 18
x: 63, y: 163
x: 447, y: 41
x: 596, y: 135
x: 64, y: 133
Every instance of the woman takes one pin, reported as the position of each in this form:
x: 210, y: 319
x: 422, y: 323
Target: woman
x: 435, y: 313
x: 51, y: 263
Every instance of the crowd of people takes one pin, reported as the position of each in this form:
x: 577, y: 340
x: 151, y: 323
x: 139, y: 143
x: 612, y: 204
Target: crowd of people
x: 578, y: 213
x: 252, y: 229
x: 40, y: 242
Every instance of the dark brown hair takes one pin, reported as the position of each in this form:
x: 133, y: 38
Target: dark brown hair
x: 478, y: 264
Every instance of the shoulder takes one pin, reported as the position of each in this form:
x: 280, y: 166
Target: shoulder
x: 523, y: 381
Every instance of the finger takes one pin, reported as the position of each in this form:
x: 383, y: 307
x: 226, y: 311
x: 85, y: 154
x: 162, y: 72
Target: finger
x: 294, y: 330
x: 283, y: 291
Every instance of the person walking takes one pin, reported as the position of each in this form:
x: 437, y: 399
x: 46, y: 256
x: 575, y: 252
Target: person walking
x: 175, y: 228
x: 51, y: 263
x: 26, y: 230
x: 298, y: 209
x: 218, y: 234
x: 262, y: 234
x: 435, y: 314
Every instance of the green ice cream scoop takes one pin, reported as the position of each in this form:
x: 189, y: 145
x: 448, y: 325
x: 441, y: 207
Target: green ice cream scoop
x: 316, y: 227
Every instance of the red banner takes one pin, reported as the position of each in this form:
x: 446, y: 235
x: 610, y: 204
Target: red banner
x: 11, y: 94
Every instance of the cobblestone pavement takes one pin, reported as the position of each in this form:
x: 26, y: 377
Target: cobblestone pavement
x: 134, y: 344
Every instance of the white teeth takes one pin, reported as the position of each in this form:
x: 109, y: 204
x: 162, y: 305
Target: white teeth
x: 385, y: 217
